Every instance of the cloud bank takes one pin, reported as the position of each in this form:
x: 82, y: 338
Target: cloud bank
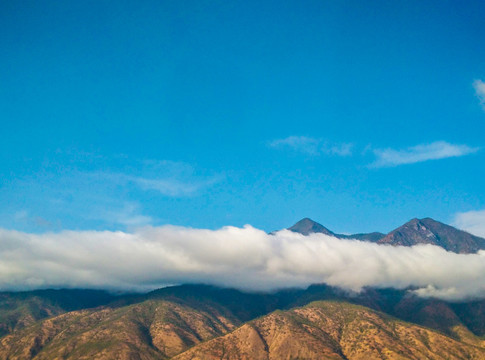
x: 245, y: 258
x: 420, y: 153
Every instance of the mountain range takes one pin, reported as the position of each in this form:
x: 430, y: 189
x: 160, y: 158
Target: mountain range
x: 207, y: 322
x: 414, y: 232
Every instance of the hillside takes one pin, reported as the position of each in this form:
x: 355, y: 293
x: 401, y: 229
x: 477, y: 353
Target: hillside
x: 148, y: 330
x: 168, y: 321
x: 332, y: 330
x: 21, y: 309
x: 161, y: 329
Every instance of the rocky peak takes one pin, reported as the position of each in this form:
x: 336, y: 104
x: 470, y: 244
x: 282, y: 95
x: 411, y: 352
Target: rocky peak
x: 307, y: 226
x: 429, y: 231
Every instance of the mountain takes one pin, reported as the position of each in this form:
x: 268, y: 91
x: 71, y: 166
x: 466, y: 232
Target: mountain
x: 21, y: 309
x: 307, y: 226
x: 152, y: 329
x: 429, y: 231
x: 414, y: 232
x: 333, y: 330
x: 170, y: 321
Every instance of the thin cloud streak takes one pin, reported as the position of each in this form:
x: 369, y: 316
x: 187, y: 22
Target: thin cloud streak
x: 244, y: 258
x: 128, y: 215
x: 173, y: 187
x: 307, y: 145
x: 312, y: 146
x: 419, y: 153
x: 479, y: 87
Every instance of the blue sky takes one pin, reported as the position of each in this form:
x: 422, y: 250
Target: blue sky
x: 360, y: 115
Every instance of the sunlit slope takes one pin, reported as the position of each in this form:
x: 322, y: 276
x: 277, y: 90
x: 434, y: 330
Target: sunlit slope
x: 332, y: 330
x: 153, y: 329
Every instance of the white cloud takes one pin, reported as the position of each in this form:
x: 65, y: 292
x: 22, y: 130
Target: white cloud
x: 420, y: 153
x: 479, y: 87
x: 245, y: 258
x: 312, y: 146
x: 471, y: 221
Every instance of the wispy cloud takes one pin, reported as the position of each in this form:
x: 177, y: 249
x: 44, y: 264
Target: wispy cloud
x: 246, y: 258
x: 168, y: 178
x: 167, y: 185
x: 479, y: 87
x: 128, y: 215
x: 102, y: 196
x: 302, y: 144
x: 420, y: 153
x: 471, y: 221
x: 312, y: 146
x: 174, y: 187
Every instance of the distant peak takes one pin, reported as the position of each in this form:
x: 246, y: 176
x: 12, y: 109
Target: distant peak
x: 307, y: 226
x: 306, y: 221
x: 423, y: 221
x: 430, y: 220
x: 413, y: 221
x: 429, y: 231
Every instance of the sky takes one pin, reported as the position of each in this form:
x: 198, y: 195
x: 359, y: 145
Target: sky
x: 117, y: 115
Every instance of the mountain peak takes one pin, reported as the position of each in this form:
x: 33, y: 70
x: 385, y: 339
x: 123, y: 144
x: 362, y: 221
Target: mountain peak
x: 429, y: 231
x: 307, y: 226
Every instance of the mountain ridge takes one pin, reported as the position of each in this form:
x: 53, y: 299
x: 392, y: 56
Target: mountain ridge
x: 414, y: 232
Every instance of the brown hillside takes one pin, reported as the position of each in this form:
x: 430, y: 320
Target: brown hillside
x: 147, y: 330
x: 332, y: 330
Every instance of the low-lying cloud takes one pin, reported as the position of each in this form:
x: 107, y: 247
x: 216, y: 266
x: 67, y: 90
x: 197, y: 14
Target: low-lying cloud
x: 244, y: 258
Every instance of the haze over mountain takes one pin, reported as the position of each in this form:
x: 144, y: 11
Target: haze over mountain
x: 246, y: 258
x: 428, y: 314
